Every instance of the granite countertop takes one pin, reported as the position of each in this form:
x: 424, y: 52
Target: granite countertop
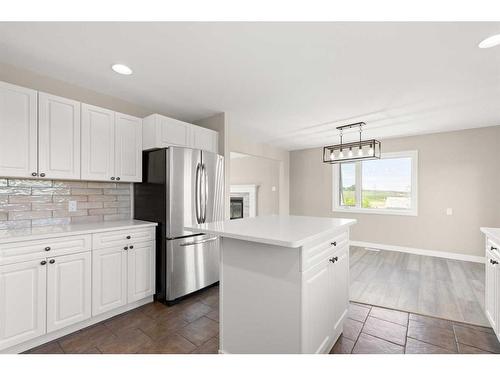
x: 14, y: 235
x: 280, y: 230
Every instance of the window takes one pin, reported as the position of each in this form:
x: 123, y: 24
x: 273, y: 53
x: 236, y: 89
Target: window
x: 383, y: 186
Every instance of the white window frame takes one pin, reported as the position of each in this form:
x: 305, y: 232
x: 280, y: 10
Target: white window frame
x: 337, y: 207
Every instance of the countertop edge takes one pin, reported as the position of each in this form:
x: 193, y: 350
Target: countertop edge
x: 40, y: 236
x: 491, y: 232
x: 270, y: 241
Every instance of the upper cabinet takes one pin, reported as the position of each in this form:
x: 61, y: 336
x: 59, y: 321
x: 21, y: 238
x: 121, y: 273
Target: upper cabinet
x: 111, y: 145
x: 47, y: 136
x: 128, y: 147
x: 161, y: 131
x: 58, y: 137
x: 18, y: 131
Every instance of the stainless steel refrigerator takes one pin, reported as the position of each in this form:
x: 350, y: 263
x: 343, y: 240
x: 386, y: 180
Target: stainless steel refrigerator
x: 182, y: 186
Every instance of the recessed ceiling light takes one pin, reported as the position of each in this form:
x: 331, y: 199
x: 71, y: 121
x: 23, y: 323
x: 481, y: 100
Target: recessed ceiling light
x: 492, y: 41
x: 122, y: 69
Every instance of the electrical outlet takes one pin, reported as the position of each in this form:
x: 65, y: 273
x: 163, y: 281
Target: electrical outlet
x: 449, y: 211
x: 72, y: 206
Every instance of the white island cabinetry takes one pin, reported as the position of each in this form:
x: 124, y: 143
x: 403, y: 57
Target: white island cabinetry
x: 284, y: 283
x: 492, y: 276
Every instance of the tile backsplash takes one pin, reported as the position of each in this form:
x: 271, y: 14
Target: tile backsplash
x: 26, y: 203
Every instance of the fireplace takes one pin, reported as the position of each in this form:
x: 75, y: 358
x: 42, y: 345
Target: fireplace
x: 236, y: 208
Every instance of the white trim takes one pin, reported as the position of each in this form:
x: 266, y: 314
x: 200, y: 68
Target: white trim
x: 251, y: 190
x: 412, y: 250
x: 336, y: 207
x: 37, y: 341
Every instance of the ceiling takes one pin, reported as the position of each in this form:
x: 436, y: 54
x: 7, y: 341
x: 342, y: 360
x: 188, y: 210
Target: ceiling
x: 288, y: 84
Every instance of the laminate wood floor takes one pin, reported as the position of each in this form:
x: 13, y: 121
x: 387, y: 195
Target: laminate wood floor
x: 444, y: 288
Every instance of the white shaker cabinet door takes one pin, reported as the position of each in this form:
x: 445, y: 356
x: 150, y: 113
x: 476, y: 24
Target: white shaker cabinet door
x: 58, y: 137
x: 128, y: 148
x: 173, y: 132
x: 491, y: 290
x: 205, y: 139
x: 141, y: 273
x: 340, y: 286
x: 109, y: 279
x: 68, y: 290
x: 98, y: 143
x: 317, y: 309
x: 18, y: 131
x: 22, y: 302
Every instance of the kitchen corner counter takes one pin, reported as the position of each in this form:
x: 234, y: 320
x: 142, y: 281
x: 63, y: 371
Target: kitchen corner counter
x: 278, y: 230
x: 15, y: 235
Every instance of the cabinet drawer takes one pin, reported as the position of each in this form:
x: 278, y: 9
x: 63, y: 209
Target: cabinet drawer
x: 122, y: 237
x: 23, y: 251
x: 319, y: 250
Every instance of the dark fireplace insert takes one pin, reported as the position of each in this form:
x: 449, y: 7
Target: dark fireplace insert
x: 236, y: 208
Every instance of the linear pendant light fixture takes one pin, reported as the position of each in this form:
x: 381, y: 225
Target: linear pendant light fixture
x: 349, y: 152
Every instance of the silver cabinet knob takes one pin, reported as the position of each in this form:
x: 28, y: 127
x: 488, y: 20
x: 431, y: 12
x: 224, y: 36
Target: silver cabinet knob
x: 34, y: 174
x: 47, y: 248
x: 118, y: 179
x: 52, y: 261
x: 113, y: 178
x: 42, y: 174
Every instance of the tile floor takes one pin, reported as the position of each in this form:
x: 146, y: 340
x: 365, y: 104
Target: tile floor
x: 192, y: 327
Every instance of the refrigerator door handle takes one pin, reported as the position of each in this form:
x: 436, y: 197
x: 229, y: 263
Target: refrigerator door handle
x: 211, y: 239
x: 197, y: 190
x: 205, y: 193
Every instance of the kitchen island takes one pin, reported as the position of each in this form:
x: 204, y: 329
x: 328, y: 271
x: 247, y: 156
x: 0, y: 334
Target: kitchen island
x: 284, y: 283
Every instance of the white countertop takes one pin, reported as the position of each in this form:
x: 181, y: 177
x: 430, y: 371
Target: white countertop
x: 491, y: 232
x: 14, y: 235
x: 280, y: 230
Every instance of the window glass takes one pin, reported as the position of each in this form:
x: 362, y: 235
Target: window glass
x: 386, y: 183
x: 348, y: 184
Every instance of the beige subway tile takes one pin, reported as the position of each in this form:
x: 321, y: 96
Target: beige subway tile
x: 86, y: 191
x: 100, y: 185
x: 3, y: 215
x: 117, y: 204
x: 4, y: 199
x: 17, y: 182
x: 3, y: 182
x: 116, y: 192
x: 30, y: 199
x: 117, y: 217
x: 102, y: 211
x: 123, y: 185
x: 45, y: 222
x: 71, y: 184
x: 29, y: 215
x: 10, y: 190
x: 87, y: 205
x: 50, y: 191
x: 123, y: 198
x: 16, y: 207
x: 124, y: 210
x: 86, y: 219
x: 66, y: 213
x: 49, y: 206
x: 102, y: 198
x: 67, y: 198
x: 15, y: 224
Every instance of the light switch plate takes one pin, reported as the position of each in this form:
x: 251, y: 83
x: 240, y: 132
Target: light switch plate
x: 449, y: 211
x: 72, y: 206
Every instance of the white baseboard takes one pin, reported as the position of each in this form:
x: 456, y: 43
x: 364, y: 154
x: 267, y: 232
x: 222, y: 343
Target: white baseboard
x: 412, y: 250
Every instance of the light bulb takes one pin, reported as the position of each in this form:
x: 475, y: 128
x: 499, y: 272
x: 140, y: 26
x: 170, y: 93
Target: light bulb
x: 360, y: 152
x: 350, y: 152
x: 332, y: 155
x: 341, y: 154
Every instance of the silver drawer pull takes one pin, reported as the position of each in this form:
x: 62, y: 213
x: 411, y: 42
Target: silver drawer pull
x: 199, y: 242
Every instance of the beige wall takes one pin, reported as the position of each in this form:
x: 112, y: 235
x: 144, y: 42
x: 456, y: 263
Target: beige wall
x: 458, y: 170
x: 244, y: 146
x: 262, y: 172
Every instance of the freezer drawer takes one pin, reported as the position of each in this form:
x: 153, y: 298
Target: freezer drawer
x: 192, y: 264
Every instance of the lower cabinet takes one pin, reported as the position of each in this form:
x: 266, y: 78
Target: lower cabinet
x: 22, y: 302
x: 122, y: 275
x: 492, y: 290
x: 68, y: 290
x: 326, y: 301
